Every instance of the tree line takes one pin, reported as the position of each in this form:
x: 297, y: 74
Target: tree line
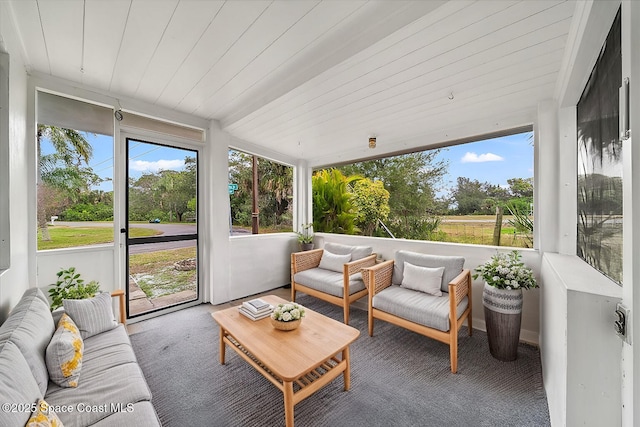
x: 394, y: 196
x: 66, y: 185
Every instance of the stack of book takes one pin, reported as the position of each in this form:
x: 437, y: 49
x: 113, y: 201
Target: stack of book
x: 256, y: 309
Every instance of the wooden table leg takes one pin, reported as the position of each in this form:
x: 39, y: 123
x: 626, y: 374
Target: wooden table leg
x: 222, y: 346
x: 288, y: 403
x: 347, y: 370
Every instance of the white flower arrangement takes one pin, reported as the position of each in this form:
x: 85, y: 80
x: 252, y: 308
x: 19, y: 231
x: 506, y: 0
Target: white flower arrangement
x: 288, y: 312
x: 506, y: 271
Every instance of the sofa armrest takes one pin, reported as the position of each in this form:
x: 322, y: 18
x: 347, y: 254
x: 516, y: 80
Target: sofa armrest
x: 119, y: 293
x: 378, y: 277
x: 460, y: 287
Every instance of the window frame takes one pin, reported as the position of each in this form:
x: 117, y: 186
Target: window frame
x: 293, y: 202
x: 530, y: 128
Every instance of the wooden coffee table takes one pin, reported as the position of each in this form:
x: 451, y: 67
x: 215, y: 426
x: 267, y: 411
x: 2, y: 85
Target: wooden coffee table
x: 321, y: 351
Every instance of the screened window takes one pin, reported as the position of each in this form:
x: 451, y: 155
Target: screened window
x: 479, y: 192
x: 260, y: 194
x: 75, y: 173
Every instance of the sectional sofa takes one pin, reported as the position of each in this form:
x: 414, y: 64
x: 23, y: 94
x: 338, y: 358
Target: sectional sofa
x: 100, y: 385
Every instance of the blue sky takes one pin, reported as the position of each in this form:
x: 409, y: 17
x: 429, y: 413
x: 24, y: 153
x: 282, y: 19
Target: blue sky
x: 143, y: 158
x: 492, y: 160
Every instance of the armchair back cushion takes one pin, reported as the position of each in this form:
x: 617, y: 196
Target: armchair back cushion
x: 333, y: 262
x: 452, y: 266
x: 357, y: 252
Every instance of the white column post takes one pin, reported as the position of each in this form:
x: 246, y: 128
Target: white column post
x: 546, y: 187
x: 568, y: 188
x: 302, y: 195
x: 215, y: 195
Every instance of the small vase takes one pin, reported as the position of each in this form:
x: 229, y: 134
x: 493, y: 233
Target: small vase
x: 285, y: 326
x: 503, y: 316
x: 306, y: 246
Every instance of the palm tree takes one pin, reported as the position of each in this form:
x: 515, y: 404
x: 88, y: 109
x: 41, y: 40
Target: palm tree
x: 71, y: 147
x: 332, y: 207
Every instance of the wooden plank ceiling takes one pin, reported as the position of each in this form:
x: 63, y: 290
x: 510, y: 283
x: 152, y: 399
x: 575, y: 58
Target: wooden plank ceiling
x: 309, y: 79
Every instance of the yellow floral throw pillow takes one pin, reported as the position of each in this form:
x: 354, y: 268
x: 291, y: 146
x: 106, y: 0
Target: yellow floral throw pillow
x: 43, y: 416
x: 64, y: 353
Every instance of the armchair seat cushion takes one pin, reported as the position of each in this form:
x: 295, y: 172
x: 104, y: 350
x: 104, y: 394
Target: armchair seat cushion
x: 417, y: 307
x: 328, y: 282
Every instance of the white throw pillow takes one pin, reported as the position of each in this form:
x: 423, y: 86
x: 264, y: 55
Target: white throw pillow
x: 423, y: 279
x: 92, y: 315
x: 333, y: 262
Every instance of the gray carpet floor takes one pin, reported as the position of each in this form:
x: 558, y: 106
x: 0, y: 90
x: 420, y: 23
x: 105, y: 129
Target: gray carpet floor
x: 398, y: 378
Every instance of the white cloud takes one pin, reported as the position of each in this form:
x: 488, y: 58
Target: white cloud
x: 475, y: 158
x: 144, y: 166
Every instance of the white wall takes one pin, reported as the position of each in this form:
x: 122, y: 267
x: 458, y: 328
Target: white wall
x: 259, y: 263
x: 553, y: 342
x: 631, y: 195
x: 15, y: 280
x: 580, y: 353
x: 93, y: 263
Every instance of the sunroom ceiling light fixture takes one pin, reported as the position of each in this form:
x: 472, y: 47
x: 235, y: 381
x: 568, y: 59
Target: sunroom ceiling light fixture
x: 372, y: 142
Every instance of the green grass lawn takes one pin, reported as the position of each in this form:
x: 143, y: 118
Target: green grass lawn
x: 156, y: 274
x: 69, y: 237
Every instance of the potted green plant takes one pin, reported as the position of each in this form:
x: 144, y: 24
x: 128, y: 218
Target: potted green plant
x: 505, y: 276
x: 305, y: 237
x: 70, y: 286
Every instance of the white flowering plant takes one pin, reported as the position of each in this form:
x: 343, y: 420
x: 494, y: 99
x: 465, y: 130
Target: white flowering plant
x: 288, y: 312
x: 506, y: 271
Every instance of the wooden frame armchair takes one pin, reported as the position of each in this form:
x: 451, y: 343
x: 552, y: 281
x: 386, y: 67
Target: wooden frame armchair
x: 340, y: 289
x: 380, y: 283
